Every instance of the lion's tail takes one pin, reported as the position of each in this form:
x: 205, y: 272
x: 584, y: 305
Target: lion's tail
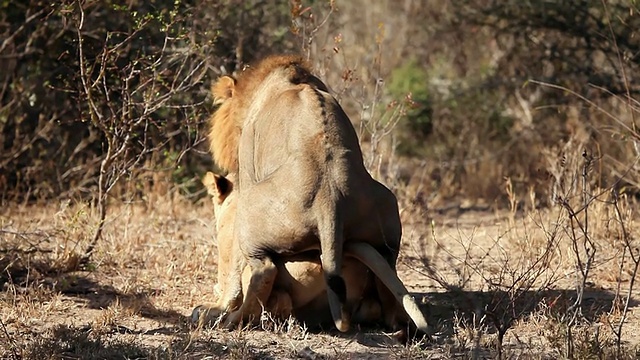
x: 366, y: 254
x: 330, y: 231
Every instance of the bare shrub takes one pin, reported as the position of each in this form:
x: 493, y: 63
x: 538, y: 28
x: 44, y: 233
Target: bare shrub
x: 528, y: 113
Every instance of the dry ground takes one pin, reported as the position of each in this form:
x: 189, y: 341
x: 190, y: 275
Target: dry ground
x: 480, y: 271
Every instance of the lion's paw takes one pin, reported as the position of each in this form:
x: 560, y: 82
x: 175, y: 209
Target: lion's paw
x: 205, y: 316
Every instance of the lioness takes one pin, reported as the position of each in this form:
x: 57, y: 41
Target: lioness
x: 299, y: 286
x: 302, y: 186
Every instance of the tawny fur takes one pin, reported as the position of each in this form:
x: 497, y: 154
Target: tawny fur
x: 226, y: 123
x: 299, y: 288
x: 302, y: 186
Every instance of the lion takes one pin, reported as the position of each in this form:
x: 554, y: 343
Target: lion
x: 299, y: 286
x: 302, y: 185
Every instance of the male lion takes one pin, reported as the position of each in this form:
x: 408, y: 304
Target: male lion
x: 299, y: 286
x: 302, y: 186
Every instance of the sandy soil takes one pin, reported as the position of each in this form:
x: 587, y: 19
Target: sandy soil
x: 477, y: 273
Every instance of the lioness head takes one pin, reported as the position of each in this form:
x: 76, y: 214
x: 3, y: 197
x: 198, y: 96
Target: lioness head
x: 220, y: 189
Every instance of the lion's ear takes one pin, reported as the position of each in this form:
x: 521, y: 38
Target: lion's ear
x: 209, y: 182
x: 218, y: 186
x: 223, y: 186
x: 223, y: 89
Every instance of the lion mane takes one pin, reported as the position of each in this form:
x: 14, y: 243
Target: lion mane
x: 233, y: 95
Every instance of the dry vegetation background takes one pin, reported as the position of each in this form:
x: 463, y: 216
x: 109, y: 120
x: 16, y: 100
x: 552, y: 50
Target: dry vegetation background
x: 507, y: 129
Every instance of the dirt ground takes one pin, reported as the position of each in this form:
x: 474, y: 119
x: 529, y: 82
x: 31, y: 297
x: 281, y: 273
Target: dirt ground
x: 479, y: 274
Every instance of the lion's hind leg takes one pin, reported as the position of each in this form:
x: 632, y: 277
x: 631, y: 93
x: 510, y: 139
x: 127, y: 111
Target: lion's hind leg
x: 258, y: 280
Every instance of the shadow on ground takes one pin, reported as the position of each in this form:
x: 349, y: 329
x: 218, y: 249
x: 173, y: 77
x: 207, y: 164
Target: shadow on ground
x: 101, y: 296
x: 502, y: 308
x: 64, y: 342
x: 22, y: 270
x: 444, y: 310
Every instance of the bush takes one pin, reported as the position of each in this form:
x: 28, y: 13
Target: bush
x: 90, y: 84
x: 410, y: 81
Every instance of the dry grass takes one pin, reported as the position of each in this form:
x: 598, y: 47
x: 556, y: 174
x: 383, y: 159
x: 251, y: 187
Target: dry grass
x: 153, y: 265
x: 497, y: 282
x: 519, y: 282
